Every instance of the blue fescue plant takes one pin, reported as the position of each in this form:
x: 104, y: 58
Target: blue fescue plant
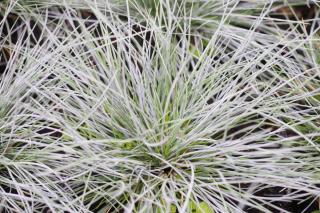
x: 171, y: 108
x: 28, y: 154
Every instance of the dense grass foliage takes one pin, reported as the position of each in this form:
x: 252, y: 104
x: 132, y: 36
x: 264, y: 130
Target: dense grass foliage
x: 157, y: 106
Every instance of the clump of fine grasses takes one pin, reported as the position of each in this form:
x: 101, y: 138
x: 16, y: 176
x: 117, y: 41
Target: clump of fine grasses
x: 117, y: 114
x: 28, y: 156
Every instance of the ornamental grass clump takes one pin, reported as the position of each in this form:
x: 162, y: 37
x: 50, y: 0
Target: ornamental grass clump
x: 109, y: 113
x: 28, y: 154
